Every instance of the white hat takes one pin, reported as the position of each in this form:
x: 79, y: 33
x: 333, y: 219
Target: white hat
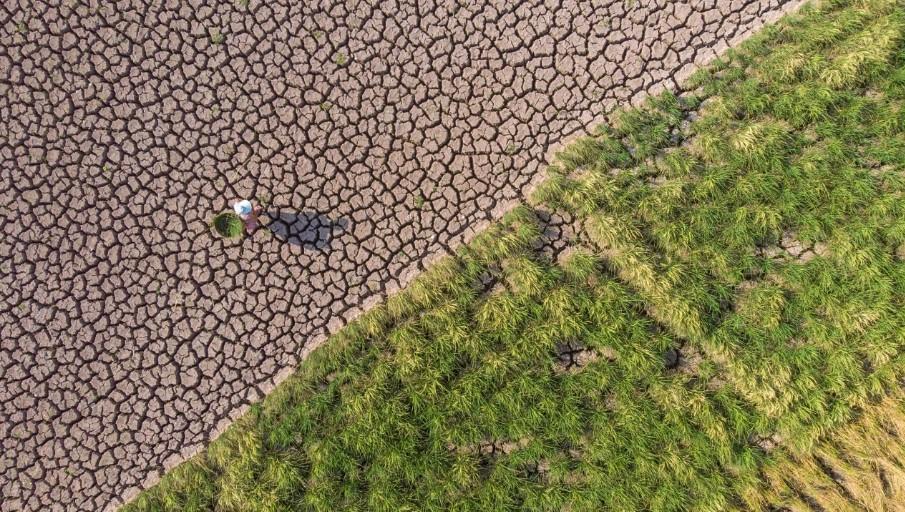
x: 243, y: 207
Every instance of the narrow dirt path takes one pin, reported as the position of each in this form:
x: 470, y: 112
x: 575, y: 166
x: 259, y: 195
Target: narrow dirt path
x: 379, y: 136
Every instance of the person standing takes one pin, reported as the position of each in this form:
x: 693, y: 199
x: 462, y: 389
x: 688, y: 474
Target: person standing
x: 249, y: 214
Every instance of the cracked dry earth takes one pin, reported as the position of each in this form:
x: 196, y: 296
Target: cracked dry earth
x: 380, y: 134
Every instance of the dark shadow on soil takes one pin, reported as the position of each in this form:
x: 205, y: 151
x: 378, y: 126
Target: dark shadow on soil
x: 309, y: 230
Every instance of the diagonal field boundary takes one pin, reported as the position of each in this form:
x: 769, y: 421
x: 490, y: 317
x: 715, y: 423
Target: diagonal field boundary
x: 130, y: 335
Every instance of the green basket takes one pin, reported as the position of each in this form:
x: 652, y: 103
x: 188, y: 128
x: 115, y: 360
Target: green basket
x: 228, y: 225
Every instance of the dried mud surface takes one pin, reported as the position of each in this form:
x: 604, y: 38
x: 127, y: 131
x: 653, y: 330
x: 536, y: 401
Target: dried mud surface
x: 380, y: 134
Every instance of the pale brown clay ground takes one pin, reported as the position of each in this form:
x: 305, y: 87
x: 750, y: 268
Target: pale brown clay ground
x: 381, y: 136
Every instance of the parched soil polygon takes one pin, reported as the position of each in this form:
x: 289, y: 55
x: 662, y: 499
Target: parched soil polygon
x: 379, y: 134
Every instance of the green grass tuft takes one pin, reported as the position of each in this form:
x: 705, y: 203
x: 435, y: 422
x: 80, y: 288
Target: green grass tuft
x: 228, y: 225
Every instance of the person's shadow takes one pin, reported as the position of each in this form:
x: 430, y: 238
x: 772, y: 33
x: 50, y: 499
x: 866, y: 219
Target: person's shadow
x: 309, y: 230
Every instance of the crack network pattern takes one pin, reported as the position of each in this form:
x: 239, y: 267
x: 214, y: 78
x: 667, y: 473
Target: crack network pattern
x: 379, y: 134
